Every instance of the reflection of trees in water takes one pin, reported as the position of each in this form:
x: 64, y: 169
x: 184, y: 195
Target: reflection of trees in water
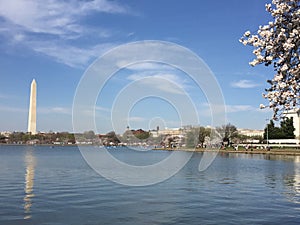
x: 276, y: 176
x: 30, y: 162
x: 292, y: 182
x: 289, y: 158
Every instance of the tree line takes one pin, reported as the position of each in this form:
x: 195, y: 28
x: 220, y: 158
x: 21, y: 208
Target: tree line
x: 224, y: 135
x: 285, y: 131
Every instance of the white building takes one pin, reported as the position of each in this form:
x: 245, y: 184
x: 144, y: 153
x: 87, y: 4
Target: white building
x: 5, y: 133
x: 167, y: 131
x: 251, y: 133
x: 295, y: 114
x: 171, y: 131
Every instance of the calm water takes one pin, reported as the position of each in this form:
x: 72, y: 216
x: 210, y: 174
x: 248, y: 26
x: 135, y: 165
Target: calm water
x: 39, y: 185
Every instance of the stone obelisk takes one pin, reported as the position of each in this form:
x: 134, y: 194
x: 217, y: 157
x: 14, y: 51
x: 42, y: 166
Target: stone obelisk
x: 32, y: 109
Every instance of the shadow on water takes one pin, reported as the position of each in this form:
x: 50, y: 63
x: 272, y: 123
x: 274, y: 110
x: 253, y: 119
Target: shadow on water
x: 30, y: 162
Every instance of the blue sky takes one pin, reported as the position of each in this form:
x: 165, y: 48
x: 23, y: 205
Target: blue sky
x: 55, y: 41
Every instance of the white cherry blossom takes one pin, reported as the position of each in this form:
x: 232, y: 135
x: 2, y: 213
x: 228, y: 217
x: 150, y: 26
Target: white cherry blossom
x: 277, y: 44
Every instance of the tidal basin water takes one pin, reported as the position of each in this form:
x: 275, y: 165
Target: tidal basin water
x: 43, y: 185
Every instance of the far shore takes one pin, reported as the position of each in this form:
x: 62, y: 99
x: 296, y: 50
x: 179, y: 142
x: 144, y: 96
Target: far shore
x: 277, y: 151
x: 272, y: 151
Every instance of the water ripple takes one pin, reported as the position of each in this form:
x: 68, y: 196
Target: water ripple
x: 56, y: 186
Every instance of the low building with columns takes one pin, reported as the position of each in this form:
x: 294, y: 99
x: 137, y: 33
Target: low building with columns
x: 251, y: 133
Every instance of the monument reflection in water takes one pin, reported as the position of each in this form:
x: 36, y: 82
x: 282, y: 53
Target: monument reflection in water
x: 30, y: 162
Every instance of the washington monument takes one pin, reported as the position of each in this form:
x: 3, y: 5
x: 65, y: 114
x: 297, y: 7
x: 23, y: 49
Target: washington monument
x: 32, y: 109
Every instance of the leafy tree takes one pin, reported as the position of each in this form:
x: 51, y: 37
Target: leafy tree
x: 89, y: 134
x: 135, y: 136
x: 71, y: 137
x: 17, y: 137
x: 170, y: 141
x: 197, y: 136
x: 141, y: 134
x: 287, y: 128
x: 228, y: 132
x: 257, y: 137
x: 277, y: 44
x: 285, y: 131
x: 271, y: 132
x: 112, y: 137
x: 203, y: 133
x: 240, y: 138
x: 192, y: 138
x: 2, y: 138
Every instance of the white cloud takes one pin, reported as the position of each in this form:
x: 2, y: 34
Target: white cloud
x: 47, y: 26
x: 43, y: 110
x: 98, y: 111
x: 148, y: 66
x: 161, y: 75
x: 61, y: 110
x: 54, y: 110
x: 3, y: 96
x: 18, y: 37
x: 12, y: 109
x: 163, y: 85
x: 69, y: 55
x: 246, y: 108
x: 103, y: 109
x: 54, y: 16
x: 136, y: 119
x: 239, y: 108
x: 205, y: 109
x: 244, y: 84
x: 163, y: 81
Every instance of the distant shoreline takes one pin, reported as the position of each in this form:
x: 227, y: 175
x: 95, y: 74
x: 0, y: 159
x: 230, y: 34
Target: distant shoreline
x: 282, y: 151
x: 279, y: 151
x: 49, y: 145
